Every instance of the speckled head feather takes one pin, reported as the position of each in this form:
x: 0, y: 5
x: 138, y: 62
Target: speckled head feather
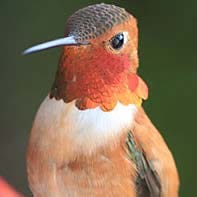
x: 94, y: 20
x: 85, y: 24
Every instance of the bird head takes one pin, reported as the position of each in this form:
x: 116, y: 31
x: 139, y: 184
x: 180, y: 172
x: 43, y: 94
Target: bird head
x: 98, y: 65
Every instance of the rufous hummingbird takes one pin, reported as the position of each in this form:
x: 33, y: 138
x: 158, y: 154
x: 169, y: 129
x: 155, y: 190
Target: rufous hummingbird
x: 90, y: 136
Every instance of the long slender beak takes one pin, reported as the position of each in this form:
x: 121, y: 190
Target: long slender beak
x: 54, y: 43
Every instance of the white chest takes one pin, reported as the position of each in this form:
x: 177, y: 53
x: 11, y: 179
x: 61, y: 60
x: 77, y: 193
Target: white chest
x: 87, y: 129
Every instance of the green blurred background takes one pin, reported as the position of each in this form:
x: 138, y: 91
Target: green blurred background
x: 167, y: 51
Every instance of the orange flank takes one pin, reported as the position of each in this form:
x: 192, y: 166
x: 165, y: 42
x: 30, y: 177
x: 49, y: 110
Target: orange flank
x: 90, y: 136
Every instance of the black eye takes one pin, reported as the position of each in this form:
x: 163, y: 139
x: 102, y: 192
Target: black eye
x: 117, y: 41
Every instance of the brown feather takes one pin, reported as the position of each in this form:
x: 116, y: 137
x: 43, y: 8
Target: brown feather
x: 161, y: 169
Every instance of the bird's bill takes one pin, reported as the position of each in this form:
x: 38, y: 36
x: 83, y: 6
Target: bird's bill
x: 54, y: 43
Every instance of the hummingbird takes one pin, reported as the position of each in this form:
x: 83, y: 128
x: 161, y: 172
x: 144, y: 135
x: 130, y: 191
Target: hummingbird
x: 91, y: 135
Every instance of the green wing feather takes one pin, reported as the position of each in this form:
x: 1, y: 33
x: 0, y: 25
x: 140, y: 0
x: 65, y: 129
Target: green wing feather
x: 147, y: 182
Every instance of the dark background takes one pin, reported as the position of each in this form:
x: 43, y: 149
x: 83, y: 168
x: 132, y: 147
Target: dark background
x: 167, y: 51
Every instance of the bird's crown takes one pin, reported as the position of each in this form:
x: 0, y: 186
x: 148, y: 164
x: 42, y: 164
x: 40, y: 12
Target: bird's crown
x: 94, y: 20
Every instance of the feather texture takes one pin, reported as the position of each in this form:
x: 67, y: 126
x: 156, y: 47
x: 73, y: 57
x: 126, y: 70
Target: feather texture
x: 157, y: 173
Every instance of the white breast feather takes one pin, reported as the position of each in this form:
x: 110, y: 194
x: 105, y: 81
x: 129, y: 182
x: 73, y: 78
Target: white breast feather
x: 88, y: 129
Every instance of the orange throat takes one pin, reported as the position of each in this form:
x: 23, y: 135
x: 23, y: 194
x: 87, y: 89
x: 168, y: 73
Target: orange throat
x: 92, y: 85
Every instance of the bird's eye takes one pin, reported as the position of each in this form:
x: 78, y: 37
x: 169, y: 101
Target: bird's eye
x: 117, y: 41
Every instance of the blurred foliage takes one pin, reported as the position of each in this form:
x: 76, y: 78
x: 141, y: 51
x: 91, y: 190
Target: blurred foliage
x: 167, y: 51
